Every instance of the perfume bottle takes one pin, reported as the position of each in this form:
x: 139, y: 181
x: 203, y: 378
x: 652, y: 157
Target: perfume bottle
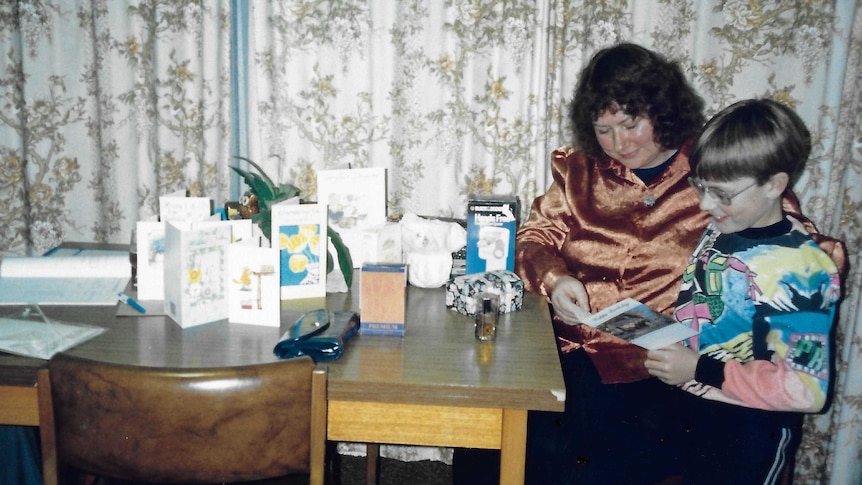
x: 486, y: 316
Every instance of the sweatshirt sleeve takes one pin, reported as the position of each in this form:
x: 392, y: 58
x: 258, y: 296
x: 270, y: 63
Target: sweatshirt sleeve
x: 792, y: 369
x: 773, y: 385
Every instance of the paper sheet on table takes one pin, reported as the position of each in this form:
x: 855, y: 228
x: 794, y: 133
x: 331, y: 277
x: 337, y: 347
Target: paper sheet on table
x: 69, y: 263
x: 29, y: 334
x: 81, y: 277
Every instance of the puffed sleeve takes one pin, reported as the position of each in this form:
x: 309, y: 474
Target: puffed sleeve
x: 538, y: 259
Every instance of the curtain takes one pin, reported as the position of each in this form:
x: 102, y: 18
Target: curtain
x: 108, y: 104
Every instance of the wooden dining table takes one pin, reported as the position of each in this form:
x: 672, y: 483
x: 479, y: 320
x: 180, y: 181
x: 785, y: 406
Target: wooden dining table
x: 437, y: 385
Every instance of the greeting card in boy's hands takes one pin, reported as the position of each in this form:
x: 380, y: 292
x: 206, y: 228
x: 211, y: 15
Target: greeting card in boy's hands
x: 299, y: 233
x: 639, y: 324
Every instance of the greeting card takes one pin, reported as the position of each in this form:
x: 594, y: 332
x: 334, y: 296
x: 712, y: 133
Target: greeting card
x: 356, y: 199
x: 299, y: 233
x: 253, y: 285
x: 196, y: 272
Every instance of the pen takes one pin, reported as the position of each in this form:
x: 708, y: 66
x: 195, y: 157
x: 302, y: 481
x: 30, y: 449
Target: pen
x: 131, y: 302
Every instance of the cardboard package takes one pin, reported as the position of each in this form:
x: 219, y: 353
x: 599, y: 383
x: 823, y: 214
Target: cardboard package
x: 383, y: 298
x: 491, y: 225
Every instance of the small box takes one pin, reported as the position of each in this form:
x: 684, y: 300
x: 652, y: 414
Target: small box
x: 380, y: 243
x: 383, y: 298
x: 461, y: 291
x: 491, y: 225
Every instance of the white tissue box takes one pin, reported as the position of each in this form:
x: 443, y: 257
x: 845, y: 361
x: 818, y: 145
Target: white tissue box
x: 462, y: 290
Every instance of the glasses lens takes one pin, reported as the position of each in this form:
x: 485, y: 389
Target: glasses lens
x: 721, y: 196
x: 718, y: 195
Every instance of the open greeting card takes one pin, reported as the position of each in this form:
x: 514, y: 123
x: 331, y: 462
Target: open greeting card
x: 639, y: 324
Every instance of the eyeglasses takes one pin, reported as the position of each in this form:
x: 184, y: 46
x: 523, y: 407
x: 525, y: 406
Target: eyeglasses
x: 717, y: 194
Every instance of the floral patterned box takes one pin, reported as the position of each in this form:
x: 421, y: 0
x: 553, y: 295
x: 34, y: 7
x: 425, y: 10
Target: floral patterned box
x: 461, y: 291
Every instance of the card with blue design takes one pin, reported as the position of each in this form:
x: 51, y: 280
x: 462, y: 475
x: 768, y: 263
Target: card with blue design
x: 299, y: 231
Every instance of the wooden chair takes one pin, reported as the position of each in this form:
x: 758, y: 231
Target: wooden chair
x: 211, y: 425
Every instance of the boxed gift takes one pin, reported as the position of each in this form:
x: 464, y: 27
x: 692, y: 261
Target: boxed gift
x: 382, y: 295
x: 492, y: 221
x: 462, y: 290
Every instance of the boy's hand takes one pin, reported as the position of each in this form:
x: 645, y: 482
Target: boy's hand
x: 674, y: 365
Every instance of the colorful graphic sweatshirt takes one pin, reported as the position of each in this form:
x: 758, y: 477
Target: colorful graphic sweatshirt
x: 764, y: 302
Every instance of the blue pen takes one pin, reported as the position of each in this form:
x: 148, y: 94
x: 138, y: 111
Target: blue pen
x: 132, y: 303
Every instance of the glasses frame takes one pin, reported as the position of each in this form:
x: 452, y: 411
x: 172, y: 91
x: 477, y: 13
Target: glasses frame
x: 718, y: 195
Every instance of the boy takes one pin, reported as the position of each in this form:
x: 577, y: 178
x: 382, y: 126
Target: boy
x: 763, y: 296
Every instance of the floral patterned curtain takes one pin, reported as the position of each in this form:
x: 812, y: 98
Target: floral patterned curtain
x: 108, y: 104
x: 105, y: 106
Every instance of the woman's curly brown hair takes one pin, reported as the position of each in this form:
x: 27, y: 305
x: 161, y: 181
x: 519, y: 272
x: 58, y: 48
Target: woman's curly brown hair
x: 641, y: 83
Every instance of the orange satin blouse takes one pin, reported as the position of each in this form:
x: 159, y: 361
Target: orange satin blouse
x: 620, y: 237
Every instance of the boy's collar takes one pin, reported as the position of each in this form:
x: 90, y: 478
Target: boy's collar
x: 781, y: 227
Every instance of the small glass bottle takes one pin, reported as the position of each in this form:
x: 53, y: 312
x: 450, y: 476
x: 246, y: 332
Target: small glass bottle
x: 486, y: 317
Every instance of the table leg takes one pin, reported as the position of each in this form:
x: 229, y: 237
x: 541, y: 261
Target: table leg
x: 513, y: 447
x: 372, y: 462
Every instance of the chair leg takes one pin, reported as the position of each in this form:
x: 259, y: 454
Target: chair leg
x: 46, y: 428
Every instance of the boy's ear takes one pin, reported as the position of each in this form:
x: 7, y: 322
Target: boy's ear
x: 777, y: 184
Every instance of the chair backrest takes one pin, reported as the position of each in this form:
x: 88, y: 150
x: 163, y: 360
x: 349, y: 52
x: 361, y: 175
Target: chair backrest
x: 205, y: 425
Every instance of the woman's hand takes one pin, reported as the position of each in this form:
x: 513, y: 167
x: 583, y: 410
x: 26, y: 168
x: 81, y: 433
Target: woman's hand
x: 673, y: 365
x: 570, y: 300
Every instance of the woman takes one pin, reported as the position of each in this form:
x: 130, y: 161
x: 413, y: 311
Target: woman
x: 618, y: 221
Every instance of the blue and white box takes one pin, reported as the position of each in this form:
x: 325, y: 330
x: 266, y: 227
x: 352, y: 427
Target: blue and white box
x: 492, y: 221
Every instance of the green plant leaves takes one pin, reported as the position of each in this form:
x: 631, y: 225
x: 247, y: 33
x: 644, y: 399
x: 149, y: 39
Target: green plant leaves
x: 269, y: 194
x: 345, y: 262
